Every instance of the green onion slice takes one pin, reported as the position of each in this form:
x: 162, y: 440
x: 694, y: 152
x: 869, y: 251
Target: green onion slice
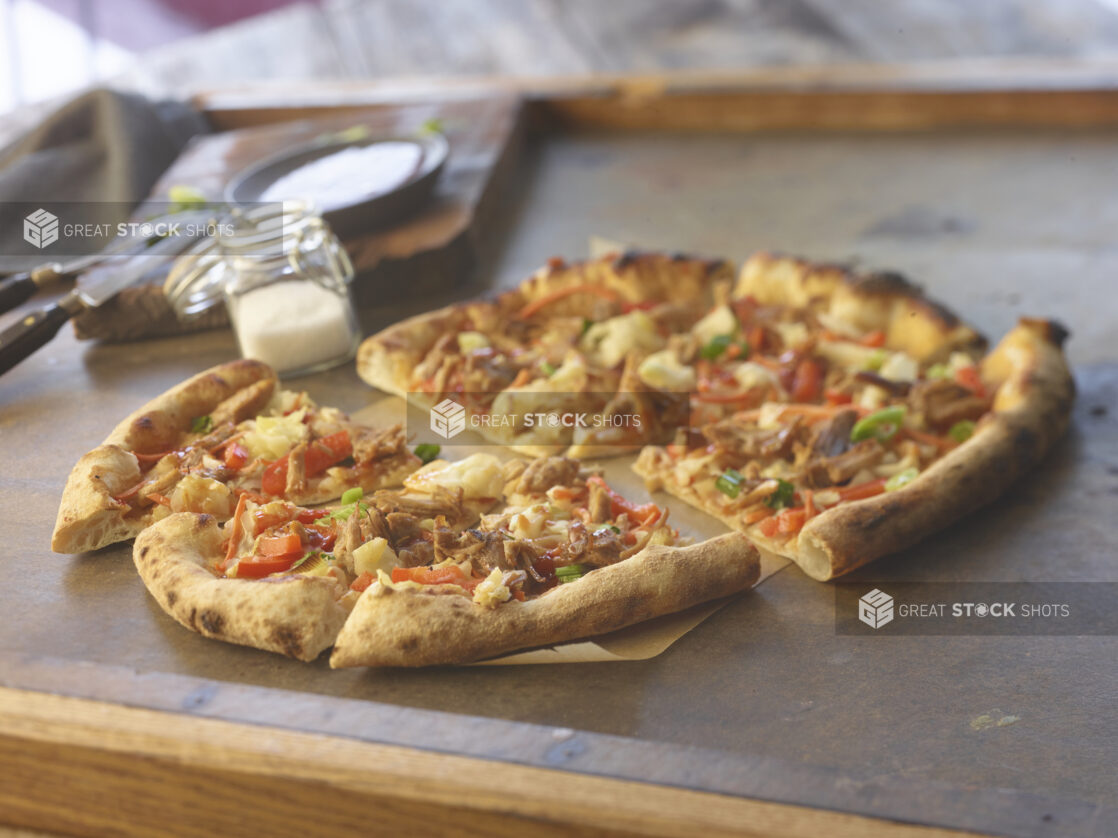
x: 882, y: 424
x: 351, y: 496
x: 201, y: 424
x: 937, y: 371
x: 962, y: 431
x: 901, y: 478
x: 427, y: 451
x: 570, y: 572
x: 782, y: 496
x: 548, y: 368
x: 729, y: 483
x: 716, y: 346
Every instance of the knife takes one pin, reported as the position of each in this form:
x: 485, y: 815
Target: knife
x: 37, y: 328
x: 18, y: 288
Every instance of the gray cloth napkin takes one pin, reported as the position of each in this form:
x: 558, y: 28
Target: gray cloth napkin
x: 102, y: 146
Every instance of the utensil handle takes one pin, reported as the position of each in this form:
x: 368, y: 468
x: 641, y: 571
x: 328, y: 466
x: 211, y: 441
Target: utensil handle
x: 16, y: 290
x: 29, y: 333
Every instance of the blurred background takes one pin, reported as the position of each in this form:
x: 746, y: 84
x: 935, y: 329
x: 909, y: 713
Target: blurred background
x: 53, y: 48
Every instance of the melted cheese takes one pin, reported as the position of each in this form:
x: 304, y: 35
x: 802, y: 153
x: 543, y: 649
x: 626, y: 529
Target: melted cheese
x: 720, y: 321
x: 374, y: 556
x: 479, y: 476
x: 850, y: 356
x: 469, y: 341
x: 273, y: 436
x: 195, y: 493
x: 900, y: 367
x: 750, y: 375
x: 492, y: 590
x: 608, y: 343
x: 664, y: 371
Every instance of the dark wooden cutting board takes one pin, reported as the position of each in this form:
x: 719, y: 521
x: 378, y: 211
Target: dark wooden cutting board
x: 432, y: 250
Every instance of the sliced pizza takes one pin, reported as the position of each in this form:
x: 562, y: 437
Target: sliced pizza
x: 866, y: 417
x: 568, y: 558
x: 279, y: 577
x: 223, y: 433
x: 560, y: 343
x: 422, y: 576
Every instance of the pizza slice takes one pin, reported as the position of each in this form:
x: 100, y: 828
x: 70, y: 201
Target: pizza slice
x: 222, y: 433
x: 557, y: 344
x: 280, y: 577
x: 568, y: 558
x: 865, y: 417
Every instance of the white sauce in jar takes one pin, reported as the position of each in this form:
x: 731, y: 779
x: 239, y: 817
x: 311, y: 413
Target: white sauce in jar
x: 294, y: 325
x: 348, y: 176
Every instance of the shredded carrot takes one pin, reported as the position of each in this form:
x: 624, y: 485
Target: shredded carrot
x: 863, y: 490
x: 162, y: 500
x: 582, y: 288
x: 235, y: 530
x: 875, y: 339
x: 755, y: 515
x: 231, y: 439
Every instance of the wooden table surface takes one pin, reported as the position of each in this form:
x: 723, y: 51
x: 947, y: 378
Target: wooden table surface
x: 763, y: 702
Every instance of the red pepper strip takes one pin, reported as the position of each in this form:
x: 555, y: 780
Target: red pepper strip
x: 618, y: 505
x: 788, y: 522
x: 236, y: 456
x: 255, y: 567
x: 875, y: 339
x: 235, y: 530
x: 280, y: 544
x: 363, y: 581
x: 837, y: 397
x: 863, y: 490
x: 321, y: 454
x: 162, y: 500
x: 449, y: 575
x: 583, y: 288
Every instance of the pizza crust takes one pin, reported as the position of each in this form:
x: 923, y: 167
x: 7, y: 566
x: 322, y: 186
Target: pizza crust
x: 296, y: 616
x: 1030, y: 412
x: 88, y: 516
x: 912, y: 322
x: 386, y: 360
x: 410, y: 627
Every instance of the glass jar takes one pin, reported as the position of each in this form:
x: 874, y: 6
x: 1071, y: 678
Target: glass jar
x: 284, y: 278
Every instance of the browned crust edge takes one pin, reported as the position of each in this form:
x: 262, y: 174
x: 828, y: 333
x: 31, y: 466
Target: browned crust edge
x: 296, y: 616
x: 417, y: 628
x: 885, y: 300
x: 88, y: 516
x: 385, y: 360
x: 1031, y: 410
